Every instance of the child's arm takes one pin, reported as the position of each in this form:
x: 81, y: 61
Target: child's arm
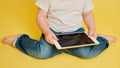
x: 89, y: 21
x: 42, y: 23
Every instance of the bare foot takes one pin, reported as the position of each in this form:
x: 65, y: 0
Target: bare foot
x: 10, y: 39
x: 111, y: 39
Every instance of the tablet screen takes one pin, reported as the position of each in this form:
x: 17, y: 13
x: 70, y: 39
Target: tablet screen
x: 74, y: 39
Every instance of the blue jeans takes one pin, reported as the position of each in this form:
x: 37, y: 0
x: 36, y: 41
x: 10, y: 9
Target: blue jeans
x: 42, y: 49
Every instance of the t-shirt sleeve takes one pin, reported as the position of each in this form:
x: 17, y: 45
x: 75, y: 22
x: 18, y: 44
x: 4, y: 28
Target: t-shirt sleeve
x: 43, y: 4
x: 88, y: 6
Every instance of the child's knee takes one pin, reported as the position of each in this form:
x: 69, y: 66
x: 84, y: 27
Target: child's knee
x: 86, y: 56
x: 40, y: 54
x: 43, y: 56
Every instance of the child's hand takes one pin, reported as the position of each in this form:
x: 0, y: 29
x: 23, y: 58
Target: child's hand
x: 49, y: 36
x: 92, y: 33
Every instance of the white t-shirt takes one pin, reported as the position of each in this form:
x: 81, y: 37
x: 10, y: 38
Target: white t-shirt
x: 65, y: 15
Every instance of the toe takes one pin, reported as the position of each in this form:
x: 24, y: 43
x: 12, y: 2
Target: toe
x: 112, y: 39
x: 4, y: 40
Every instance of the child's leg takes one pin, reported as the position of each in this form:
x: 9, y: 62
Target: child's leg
x: 34, y: 48
x: 92, y: 51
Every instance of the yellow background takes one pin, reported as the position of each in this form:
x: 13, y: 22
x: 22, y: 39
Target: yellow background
x: 18, y: 16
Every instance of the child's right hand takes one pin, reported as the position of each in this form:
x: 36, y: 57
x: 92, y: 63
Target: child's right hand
x: 49, y: 36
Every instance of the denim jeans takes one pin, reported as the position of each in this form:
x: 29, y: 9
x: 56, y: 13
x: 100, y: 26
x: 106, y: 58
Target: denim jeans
x: 42, y: 49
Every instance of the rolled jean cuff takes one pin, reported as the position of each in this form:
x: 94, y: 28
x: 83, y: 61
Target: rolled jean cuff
x: 104, y: 38
x: 18, y: 39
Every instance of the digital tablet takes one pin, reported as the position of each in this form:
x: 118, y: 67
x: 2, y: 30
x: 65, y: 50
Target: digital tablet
x: 74, y: 40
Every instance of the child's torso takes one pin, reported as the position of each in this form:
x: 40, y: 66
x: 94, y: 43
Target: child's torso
x: 65, y: 14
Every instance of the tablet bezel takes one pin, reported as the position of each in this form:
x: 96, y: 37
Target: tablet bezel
x: 58, y: 46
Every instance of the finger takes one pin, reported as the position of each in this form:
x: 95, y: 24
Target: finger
x: 89, y: 34
x: 47, y: 40
x: 55, y: 37
x: 95, y: 36
x: 50, y: 41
